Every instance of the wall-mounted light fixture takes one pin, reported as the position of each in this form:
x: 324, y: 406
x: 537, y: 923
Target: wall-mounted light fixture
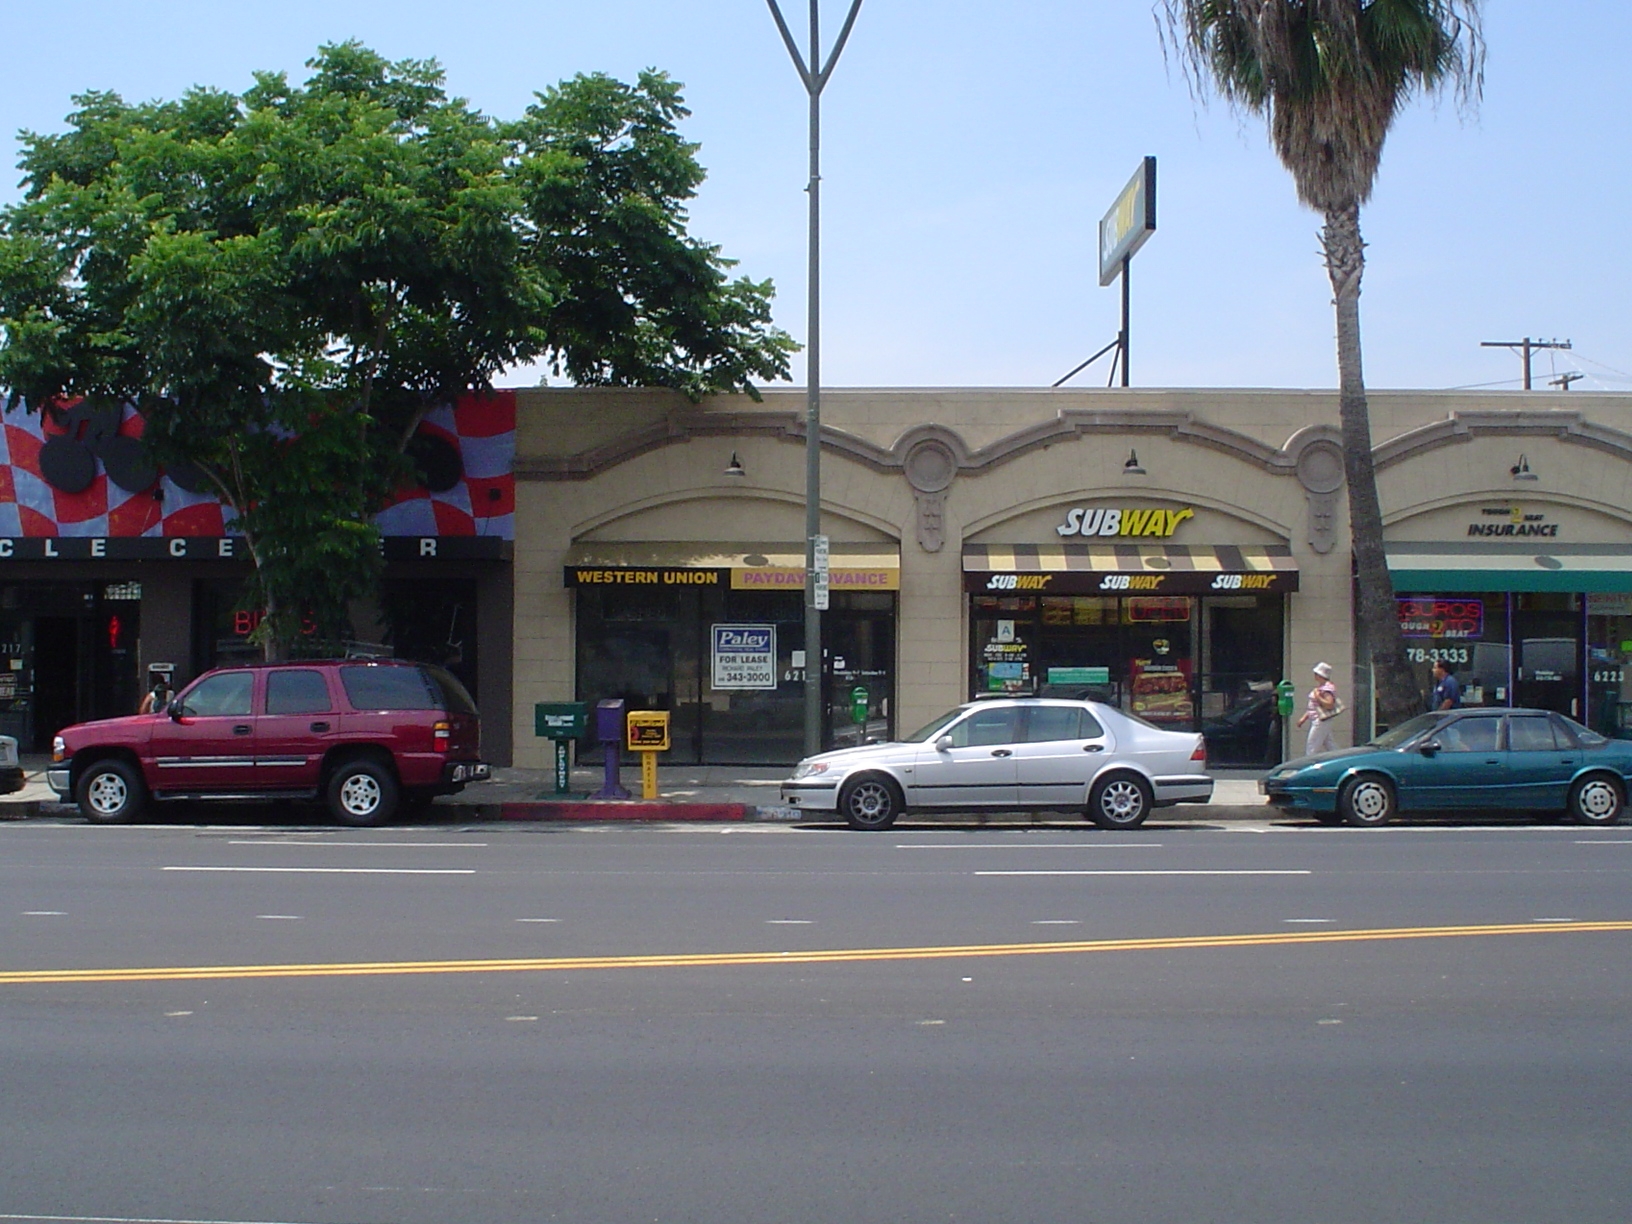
x: 734, y: 469
x: 1131, y: 467
x: 1521, y: 470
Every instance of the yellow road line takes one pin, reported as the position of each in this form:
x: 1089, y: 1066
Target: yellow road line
x: 185, y: 973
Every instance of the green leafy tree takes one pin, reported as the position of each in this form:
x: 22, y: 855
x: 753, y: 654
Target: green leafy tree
x: 285, y: 281
x: 1330, y: 76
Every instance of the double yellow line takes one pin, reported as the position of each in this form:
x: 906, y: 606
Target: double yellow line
x: 705, y: 960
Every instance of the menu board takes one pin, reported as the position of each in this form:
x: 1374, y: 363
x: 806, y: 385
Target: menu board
x: 1159, y: 690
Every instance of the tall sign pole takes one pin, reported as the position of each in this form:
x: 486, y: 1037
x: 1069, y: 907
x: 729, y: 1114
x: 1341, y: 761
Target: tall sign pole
x: 814, y: 73
x: 1122, y: 231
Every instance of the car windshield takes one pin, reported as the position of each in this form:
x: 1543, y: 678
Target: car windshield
x: 924, y: 734
x: 1405, y: 732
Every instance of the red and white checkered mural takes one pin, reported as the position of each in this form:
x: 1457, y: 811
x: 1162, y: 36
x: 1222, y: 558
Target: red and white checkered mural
x: 100, y: 485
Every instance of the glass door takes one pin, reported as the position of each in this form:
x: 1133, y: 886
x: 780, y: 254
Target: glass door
x: 1547, y: 652
x: 859, y: 676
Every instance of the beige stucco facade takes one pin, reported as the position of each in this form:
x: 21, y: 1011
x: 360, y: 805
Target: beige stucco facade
x: 929, y: 471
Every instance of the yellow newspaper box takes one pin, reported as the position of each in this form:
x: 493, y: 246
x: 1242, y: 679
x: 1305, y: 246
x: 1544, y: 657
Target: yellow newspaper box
x: 648, y: 732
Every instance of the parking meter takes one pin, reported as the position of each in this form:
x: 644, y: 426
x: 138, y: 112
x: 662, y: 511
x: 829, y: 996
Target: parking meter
x: 609, y: 731
x: 1286, y: 698
x: 858, y: 705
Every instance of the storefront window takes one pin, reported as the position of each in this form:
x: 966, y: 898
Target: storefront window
x: 729, y: 666
x: 1207, y: 663
x: 1469, y: 634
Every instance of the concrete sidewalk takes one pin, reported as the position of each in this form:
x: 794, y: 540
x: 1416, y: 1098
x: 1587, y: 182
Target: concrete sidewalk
x: 685, y: 793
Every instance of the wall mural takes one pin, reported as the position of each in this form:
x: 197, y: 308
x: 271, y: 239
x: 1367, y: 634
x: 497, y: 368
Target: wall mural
x: 77, y: 471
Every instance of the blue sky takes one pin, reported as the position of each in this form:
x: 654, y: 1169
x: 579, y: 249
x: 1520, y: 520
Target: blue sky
x: 969, y: 150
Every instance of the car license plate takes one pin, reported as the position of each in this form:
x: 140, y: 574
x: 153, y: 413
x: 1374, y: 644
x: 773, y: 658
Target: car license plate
x: 469, y: 773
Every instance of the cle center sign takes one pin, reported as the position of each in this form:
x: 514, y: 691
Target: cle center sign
x: 1122, y: 521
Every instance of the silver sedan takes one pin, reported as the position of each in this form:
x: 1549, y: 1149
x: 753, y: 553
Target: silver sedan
x: 1013, y: 754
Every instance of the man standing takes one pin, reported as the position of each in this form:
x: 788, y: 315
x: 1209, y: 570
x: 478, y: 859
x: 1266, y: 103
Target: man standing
x: 1447, y: 692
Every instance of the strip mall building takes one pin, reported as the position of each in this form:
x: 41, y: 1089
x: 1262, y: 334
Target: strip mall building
x: 1183, y: 550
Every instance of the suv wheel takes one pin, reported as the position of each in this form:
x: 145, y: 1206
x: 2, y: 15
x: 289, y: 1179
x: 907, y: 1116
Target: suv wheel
x: 362, y: 793
x: 110, y: 792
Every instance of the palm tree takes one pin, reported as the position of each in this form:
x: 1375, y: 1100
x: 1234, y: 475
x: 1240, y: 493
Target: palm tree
x: 1330, y: 76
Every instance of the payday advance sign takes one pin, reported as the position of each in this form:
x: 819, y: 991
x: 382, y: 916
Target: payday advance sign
x: 744, y: 656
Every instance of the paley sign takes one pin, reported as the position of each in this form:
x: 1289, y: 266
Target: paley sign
x: 1122, y: 521
x: 744, y: 656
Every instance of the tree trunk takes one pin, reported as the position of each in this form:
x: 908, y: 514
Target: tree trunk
x: 1378, y: 620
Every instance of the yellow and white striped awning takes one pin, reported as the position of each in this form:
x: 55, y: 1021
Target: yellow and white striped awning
x: 1141, y: 569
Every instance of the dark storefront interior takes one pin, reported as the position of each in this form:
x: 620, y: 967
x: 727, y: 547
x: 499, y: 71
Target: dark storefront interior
x: 651, y: 646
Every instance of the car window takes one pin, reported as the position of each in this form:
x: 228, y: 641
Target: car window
x: 226, y: 695
x: 456, y: 699
x: 986, y: 727
x: 1587, y: 739
x: 1395, y: 737
x: 1045, y: 724
x: 1469, y: 735
x: 1530, y: 733
x: 297, y: 692
x: 388, y: 688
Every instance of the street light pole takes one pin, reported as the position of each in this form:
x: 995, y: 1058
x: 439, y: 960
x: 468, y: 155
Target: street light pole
x: 814, y: 73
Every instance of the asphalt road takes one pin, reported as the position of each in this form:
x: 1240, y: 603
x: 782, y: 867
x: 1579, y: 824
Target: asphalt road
x: 1247, y: 1023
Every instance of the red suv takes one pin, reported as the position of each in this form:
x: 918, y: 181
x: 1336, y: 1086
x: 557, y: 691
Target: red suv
x: 364, y: 735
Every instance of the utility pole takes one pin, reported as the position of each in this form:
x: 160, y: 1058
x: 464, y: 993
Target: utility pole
x: 1525, y: 348
x: 1564, y: 380
x: 814, y: 74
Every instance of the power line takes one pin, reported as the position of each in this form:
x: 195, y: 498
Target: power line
x: 1525, y: 348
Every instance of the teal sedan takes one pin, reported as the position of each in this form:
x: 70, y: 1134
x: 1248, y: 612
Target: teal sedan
x: 1492, y: 760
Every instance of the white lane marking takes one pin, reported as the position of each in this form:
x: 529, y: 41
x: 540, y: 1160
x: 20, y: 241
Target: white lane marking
x: 336, y: 871
x: 289, y: 841
x: 788, y: 921
x: 1604, y: 841
x: 1306, y: 920
x: 180, y: 1013
x: 1082, y: 845
x: 538, y: 920
x: 44, y: 913
x: 1552, y: 920
x: 521, y: 1017
x: 281, y: 917
x: 1135, y: 872
x: 1056, y: 922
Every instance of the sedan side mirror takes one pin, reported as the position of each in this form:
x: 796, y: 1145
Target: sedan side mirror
x: 944, y: 744
x: 174, y: 709
x: 1428, y: 747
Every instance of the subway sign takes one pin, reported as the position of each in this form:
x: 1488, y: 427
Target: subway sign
x: 1091, y: 582
x: 1123, y: 521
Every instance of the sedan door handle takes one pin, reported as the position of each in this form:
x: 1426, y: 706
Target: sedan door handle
x: 242, y: 729
x: 1093, y: 747
x: 320, y: 726
x: 1002, y: 752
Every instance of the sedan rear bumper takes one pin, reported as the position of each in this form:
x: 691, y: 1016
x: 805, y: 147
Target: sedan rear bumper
x: 1190, y: 788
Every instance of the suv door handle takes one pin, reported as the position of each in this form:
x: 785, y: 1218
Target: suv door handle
x: 320, y: 726
x: 1002, y: 752
x: 242, y: 729
x: 1093, y: 747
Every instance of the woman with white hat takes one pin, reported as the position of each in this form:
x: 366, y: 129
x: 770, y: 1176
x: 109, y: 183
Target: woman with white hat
x: 1322, y: 708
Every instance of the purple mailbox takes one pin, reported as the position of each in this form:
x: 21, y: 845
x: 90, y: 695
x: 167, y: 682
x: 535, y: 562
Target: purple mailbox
x: 609, y: 730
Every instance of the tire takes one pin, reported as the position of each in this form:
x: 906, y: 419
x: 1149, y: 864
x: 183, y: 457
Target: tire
x: 870, y: 803
x: 1597, y: 799
x: 1366, y: 802
x: 1121, y: 801
x: 362, y: 793
x: 110, y: 792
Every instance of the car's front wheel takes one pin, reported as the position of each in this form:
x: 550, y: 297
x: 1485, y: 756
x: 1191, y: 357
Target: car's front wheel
x: 1597, y: 800
x: 1366, y: 801
x: 362, y: 793
x: 110, y: 792
x: 1119, y: 802
x: 870, y: 803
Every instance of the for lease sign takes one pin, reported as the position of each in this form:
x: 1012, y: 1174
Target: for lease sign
x: 744, y: 656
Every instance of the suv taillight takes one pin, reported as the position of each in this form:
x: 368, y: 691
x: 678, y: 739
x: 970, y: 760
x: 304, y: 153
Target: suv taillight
x: 442, y: 736
x: 1200, y: 754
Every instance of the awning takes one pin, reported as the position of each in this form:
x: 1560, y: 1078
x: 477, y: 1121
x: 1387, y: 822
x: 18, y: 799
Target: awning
x: 1133, y: 569
x: 1584, y: 568
x: 741, y: 567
